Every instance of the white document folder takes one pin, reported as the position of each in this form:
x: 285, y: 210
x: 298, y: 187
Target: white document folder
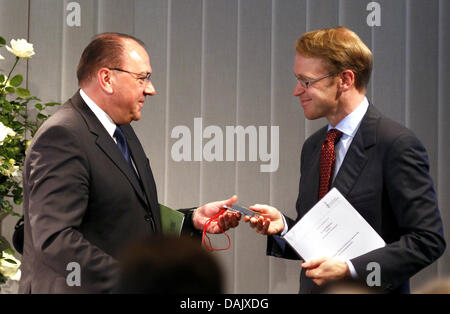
x: 333, y: 228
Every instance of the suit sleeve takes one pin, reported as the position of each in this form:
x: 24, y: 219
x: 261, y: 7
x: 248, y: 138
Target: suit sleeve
x: 412, y: 198
x: 58, y: 185
x: 276, y: 245
x: 188, y: 228
x: 279, y: 247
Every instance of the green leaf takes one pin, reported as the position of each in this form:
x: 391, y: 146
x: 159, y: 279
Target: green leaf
x: 2, y: 78
x: 39, y: 106
x: 51, y: 104
x: 18, y: 200
x: 7, y: 107
x: 9, y: 251
x: 22, y: 92
x: 16, y: 80
x: 2, y: 41
x: 10, y: 261
x: 41, y: 116
x: 10, y: 89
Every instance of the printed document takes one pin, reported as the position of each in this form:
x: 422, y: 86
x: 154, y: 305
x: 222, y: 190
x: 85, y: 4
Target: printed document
x: 333, y: 228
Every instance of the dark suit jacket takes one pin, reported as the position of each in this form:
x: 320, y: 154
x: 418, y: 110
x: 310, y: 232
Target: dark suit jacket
x: 385, y: 176
x: 82, y: 202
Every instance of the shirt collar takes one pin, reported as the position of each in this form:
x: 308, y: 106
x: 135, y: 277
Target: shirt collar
x: 102, y: 116
x: 349, y: 125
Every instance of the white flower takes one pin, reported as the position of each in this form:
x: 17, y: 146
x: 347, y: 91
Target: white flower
x: 4, y: 132
x: 2, y: 58
x: 8, y: 269
x: 8, y: 168
x: 13, y: 170
x: 21, y: 48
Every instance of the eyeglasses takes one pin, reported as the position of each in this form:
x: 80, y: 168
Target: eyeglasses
x: 306, y: 83
x: 142, y: 78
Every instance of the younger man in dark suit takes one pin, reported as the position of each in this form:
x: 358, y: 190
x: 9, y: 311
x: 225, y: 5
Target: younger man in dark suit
x: 379, y: 166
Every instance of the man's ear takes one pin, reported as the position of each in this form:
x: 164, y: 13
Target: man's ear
x: 347, y: 80
x: 104, y: 79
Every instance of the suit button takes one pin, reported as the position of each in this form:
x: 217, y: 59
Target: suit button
x: 149, y: 218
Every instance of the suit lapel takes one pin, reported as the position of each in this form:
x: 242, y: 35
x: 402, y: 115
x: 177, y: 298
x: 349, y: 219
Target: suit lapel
x: 310, y: 173
x: 357, y: 154
x: 111, y: 149
x: 105, y: 142
x: 315, y: 169
x: 141, y: 163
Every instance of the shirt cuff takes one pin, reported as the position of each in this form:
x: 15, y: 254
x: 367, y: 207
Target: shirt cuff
x: 352, y: 269
x: 286, y: 229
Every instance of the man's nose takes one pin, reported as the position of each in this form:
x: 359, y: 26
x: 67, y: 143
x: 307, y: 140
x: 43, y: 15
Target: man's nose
x: 150, y: 89
x: 299, y: 89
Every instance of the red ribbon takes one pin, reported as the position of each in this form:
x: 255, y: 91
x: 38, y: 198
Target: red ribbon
x: 210, y: 220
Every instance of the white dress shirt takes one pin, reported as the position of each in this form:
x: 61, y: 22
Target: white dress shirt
x: 102, y: 116
x: 348, y: 126
x: 105, y: 120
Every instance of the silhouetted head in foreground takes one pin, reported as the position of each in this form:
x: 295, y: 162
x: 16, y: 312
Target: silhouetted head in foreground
x: 169, y: 265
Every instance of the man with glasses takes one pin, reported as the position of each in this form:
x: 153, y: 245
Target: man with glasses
x: 88, y: 186
x: 379, y: 166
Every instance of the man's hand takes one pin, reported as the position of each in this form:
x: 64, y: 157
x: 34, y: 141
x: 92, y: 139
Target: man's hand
x: 226, y: 220
x: 268, y: 222
x: 324, y: 269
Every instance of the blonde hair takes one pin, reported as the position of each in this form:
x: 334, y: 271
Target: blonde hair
x: 341, y: 49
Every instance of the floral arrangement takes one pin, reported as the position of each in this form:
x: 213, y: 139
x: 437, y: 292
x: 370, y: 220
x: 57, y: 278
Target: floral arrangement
x: 16, y: 124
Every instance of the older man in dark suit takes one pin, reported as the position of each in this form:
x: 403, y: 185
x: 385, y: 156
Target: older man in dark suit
x: 88, y: 186
x: 377, y: 164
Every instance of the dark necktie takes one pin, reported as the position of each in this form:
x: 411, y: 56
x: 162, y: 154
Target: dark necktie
x: 327, y: 160
x: 123, y: 146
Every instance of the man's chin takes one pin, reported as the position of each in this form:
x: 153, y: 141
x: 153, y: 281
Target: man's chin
x: 310, y: 115
x: 136, y: 117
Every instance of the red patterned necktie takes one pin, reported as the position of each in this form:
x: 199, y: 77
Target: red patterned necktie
x: 327, y: 160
